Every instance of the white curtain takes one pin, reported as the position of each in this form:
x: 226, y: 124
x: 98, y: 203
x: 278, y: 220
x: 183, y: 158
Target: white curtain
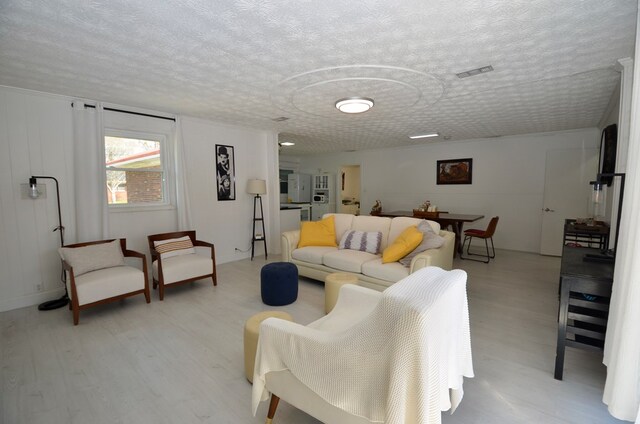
x: 182, y: 194
x: 622, y: 343
x: 92, y: 219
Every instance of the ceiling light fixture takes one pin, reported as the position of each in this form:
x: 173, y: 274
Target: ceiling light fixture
x: 287, y: 143
x: 354, y: 104
x: 435, y: 134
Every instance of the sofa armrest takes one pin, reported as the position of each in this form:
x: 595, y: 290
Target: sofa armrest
x: 441, y: 257
x: 289, y: 242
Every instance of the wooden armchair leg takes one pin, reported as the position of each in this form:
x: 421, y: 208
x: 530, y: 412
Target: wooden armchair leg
x: 272, y: 408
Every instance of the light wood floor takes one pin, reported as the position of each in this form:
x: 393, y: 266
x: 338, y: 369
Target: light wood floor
x: 181, y: 360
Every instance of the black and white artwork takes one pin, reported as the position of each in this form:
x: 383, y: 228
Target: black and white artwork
x: 225, y: 172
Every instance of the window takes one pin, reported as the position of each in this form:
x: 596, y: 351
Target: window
x: 135, y: 170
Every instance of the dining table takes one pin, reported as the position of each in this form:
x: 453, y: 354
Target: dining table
x: 445, y: 219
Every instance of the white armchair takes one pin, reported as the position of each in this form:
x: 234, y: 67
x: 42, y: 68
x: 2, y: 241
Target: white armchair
x: 395, y: 357
x: 175, y: 260
x: 97, y: 273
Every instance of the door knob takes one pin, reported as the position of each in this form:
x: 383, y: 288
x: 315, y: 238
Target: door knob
x: 548, y: 210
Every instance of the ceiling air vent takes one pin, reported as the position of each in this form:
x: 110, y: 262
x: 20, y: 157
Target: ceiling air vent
x: 477, y: 71
x: 280, y: 119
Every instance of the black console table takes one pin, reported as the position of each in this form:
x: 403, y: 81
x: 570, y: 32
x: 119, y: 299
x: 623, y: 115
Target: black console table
x: 591, y: 235
x: 585, y: 291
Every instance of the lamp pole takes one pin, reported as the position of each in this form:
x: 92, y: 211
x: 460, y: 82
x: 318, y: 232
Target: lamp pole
x: 34, y: 194
x: 32, y: 186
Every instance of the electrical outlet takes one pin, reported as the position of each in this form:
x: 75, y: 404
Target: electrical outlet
x: 39, y: 287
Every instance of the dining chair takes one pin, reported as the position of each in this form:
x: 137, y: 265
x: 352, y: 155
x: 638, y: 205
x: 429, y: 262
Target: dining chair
x: 481, y: 234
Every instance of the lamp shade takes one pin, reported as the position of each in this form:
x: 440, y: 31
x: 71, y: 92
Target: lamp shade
x: 256, y: 187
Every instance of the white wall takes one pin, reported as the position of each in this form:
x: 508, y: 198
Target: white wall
x: 508, y: 179
x: 36, y: 138
x: 228, y: 224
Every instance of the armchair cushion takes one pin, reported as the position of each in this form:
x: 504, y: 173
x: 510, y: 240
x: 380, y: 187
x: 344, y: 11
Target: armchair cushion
x: 183, y: 267
x: 93, y: 257
x: 174, y: 247
x: 108, y: 282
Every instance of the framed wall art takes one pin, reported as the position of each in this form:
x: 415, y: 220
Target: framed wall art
x: 225, y: 172
x: 454, y: 171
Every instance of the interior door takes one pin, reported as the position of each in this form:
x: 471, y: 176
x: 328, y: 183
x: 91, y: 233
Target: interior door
x: 566, y: 193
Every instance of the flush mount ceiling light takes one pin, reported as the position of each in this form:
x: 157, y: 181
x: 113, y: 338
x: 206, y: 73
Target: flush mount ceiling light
x: 354, y: 104
x: 287, y: 143
x: 435, y: 134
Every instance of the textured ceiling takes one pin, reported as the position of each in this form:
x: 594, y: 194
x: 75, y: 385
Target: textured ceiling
x: 250, y: 61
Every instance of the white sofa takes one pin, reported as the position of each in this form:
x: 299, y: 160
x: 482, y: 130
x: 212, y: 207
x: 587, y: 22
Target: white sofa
x: 319, y: 261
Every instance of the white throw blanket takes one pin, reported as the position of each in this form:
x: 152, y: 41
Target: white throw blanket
x: 395, y: 365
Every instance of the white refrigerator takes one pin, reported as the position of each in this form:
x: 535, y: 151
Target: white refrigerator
x: 299, y: 188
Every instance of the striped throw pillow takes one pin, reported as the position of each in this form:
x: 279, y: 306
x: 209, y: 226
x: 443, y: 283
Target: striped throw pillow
x: 364, y: 241
x: 174, y: 247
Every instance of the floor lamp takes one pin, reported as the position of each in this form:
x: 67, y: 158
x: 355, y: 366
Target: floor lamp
x: 34, y: 194
x: 257, y: 187
x: 608, y: 255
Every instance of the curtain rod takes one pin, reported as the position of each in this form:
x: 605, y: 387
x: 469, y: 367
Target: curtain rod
x: 132, y: 113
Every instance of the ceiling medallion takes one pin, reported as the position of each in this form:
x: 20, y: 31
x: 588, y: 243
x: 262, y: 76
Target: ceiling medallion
x: 354, y: 104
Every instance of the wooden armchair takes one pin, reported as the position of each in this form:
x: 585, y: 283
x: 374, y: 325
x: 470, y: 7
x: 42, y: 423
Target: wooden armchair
x: 175, y: 260
x: 97, y: 274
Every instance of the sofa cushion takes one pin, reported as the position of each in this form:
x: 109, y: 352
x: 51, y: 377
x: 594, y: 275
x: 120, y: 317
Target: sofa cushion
x: 401, y: 223
x: 343, y: 223
x: 318, y: 233
x: 347, y: 260
x: 92, y: 257
x: 174, y: 247
x: 430, y: 240
x: 393, y: 271
x: 365, y: 241
x: 312, y: 254
x: 373, y: 223
x: 408, y: 240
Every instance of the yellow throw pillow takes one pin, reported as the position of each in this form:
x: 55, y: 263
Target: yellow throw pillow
x: 318, y: 233
x: 408, y: 240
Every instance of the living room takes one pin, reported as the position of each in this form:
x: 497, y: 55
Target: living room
x: 40, y: 139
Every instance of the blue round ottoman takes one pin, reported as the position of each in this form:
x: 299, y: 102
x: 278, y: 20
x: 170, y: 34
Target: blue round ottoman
x: 279, y: 283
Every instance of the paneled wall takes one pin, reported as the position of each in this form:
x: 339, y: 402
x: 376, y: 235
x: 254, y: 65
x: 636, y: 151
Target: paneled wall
x: 36, y: 138
x: 508, y: 179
